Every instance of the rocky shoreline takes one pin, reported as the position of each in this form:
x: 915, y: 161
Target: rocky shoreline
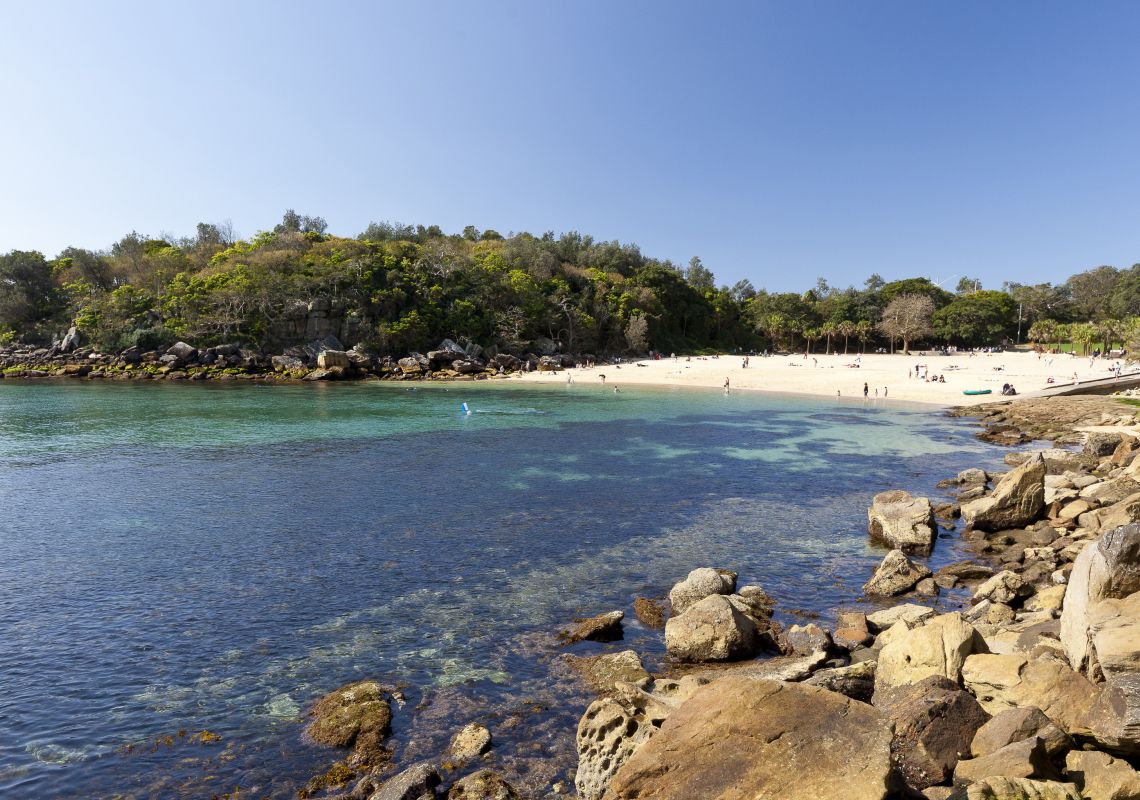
x: 1024, y: 683
x: 324, y: 359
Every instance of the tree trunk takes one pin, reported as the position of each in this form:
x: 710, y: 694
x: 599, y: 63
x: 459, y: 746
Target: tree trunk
x: 845, y: 345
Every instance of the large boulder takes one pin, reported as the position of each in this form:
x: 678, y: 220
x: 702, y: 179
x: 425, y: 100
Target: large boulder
x: 902, y: 521
x: 1017, y: 501
x: 329, y: 359
x: 1106, y: 518
x: 934, y: 722
x: 940, y: 647
x: 1108, y: 569
x: 895, y: 575
x: 613, y: 728
x: 762, y: 740
x: 1006, y: 587
x: 714, y: 629
x: 72, y: 340
x: 356, y: 715
x: 699, y: 584
x: 1114, y: 632
x: 1010, y: 681
x: 1027, y: 758
x: 1099, y: 776
x: 1015, y: 724
x: 182, y: 352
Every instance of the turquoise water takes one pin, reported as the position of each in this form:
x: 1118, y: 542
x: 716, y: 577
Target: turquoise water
x: 190, y: 557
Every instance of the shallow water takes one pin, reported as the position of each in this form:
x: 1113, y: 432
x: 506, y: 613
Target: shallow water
x: 214, y: 557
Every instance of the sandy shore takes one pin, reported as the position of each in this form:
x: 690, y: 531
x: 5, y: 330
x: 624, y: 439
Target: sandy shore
x: 825, y: 375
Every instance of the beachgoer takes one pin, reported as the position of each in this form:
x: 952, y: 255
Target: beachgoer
x: 602, y: 375
x: 866, y: 389
x: 884, y: 391
x: 726, y: 384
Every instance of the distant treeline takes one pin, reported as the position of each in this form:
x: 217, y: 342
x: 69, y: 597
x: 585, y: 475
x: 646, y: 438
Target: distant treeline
x: 401, y: 288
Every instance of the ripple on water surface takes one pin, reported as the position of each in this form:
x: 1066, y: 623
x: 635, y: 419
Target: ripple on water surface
x: 186, y: 558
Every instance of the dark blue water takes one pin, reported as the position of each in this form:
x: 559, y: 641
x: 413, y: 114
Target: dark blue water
x: 188, y: 558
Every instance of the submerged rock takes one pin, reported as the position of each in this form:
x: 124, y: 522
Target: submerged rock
x: 482, y: 785
x: 472, y: 741
x: 357, y: 715
x: 602, y: 628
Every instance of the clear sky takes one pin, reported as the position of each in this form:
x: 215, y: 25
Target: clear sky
x: 778, y: 141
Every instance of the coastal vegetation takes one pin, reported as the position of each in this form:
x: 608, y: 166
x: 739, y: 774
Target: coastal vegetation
x: 398, y: 288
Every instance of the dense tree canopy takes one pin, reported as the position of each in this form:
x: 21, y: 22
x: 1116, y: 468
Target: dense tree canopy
x: 399, y: 287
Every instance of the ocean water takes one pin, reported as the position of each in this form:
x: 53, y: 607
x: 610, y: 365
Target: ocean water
x: 180, y: 558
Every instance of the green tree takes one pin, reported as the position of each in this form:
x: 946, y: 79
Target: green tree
x: 979, y: 318
x: 27, y: 292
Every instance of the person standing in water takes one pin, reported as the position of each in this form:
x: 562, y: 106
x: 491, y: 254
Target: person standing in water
x: 726, y: 384
x: 866, y: 390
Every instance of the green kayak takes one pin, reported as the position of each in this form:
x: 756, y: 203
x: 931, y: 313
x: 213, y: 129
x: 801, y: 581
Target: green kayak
x: 977, y: 391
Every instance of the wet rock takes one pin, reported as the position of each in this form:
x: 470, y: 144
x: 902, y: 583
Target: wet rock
x: 940, y: 647
x: 739, y: 737
x: 651, y: 613
x: 712, y: 629
x: 357, y: 715
x: 901, y: 521
x: 482, y: 785
x: 895, y: 575
x: 699, y: 584
x: 471, y: 742
x: 602, y: 628
x: 415, y: 783
x: 934, y: 721
x: 1017, y: 501
x: 604, y: 671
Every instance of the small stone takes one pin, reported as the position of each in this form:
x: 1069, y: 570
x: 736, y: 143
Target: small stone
x: 472, y: 741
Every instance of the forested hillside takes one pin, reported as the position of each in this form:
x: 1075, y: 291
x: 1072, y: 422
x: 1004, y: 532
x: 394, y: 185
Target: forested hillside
x: 396, y: 288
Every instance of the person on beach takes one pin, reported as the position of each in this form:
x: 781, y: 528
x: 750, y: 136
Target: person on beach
x: 884, y: 392
x: 602, y: 375
x: 865, y: 391
x: 726, y: 384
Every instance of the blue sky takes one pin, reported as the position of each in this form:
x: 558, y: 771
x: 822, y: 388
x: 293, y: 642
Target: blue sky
x: 777, y: 141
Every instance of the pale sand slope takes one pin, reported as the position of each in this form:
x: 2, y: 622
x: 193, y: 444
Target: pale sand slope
x: 824, y: 375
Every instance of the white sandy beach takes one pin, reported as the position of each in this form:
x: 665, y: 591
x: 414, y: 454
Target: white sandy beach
x: 825, y: 375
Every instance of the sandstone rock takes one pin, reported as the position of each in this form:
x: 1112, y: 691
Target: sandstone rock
x: 1024, y: 759
x: 1005, y: 587
x: 328, y: 359
x: 1014, y: 725
x: 807, y: 639
x: 1009, y: 681
x: 182, y: 351
x: 902, y: 521
x: 482, y: 785
x: 410, y: 366
x: 851, y: 629
x: 1101, y: 444
x: 964, y: 572
x: 911, y: 613
x: 895, y: 575
x: 418, y: 782
x: 1108, y: 569
x: 472, y: 741
x: 1114, y: 628
x: 940, y: 647
x: 856, y: 681
x: 602, y: 628
x: 1106, y: 518
x: 973, y: 475
x: 710, y: 630
x: 934, y: 721
x: 71, y: 340
x: 356, y: 715
x: 1099, y: 776
x: 1017, y: 501
x: 287, y: 364
x: 757, y: 739
x: 699, y: 584
x: 651, y: 613
x: 603, y: 672
x: 998, y: 788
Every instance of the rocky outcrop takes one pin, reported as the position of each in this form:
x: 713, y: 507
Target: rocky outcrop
x: 1108, y: 569
x: 603, y: 672
x: 1027, y: 758
x: 1099, y: 776
x: 1016, y: 724
x: 613, y: 728
x: 760, y: 739
x: 1017, y: 501
x: 901, y: 521
x: 895, y: 575
x: 1001, y: 682
x: 333, y: 359
x: 699, y: 584
x: 356, y: 715
x: 998, y: 788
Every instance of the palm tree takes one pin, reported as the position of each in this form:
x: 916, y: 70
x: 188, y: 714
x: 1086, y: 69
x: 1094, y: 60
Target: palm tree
x: 1109, y: 331
x: 811, y: 335
x: 1085, y: 333
x: 847, y: 329
x: 829, y: 330
x: 1042, y: 331
x: 864, y: 330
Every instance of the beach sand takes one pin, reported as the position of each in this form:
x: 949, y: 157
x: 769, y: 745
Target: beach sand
x: 824, y: 375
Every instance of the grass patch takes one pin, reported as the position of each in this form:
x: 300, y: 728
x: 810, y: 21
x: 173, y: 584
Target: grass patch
x: 1129, y: 401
